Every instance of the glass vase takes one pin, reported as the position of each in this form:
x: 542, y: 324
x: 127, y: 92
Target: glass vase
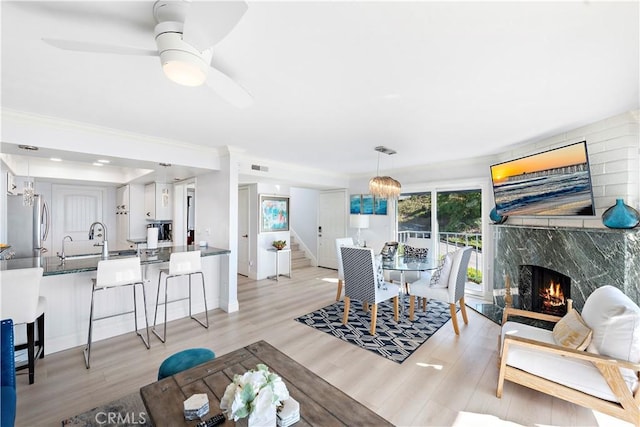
x: 496, y: 217
x: 620, y: 216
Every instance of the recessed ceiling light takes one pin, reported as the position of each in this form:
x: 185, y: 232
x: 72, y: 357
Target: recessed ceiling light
x: 55, y: 159
x: 97, y: 164
x: 28, y: 147
x: 166, y: 165
x: 104, y: 161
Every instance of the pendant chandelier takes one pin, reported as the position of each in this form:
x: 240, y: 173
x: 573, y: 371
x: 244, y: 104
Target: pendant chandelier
x: 28, y: 192
x: 384, y: 186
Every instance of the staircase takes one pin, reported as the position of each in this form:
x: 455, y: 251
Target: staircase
x: 298, y: 257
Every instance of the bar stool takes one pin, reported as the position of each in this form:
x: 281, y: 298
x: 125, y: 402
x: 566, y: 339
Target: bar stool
x: 180, y: 264
x: 21, y: 301
x: 115, y: 273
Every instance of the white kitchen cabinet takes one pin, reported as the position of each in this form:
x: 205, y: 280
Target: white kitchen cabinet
x: 130, y: 222
x: 158, y: 201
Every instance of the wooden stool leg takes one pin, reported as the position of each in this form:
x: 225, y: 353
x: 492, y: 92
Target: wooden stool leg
x: 412, y: 305
x: 339, y: 294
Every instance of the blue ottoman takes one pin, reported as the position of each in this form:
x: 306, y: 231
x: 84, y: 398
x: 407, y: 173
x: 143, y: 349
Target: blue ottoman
x: 183, y: 360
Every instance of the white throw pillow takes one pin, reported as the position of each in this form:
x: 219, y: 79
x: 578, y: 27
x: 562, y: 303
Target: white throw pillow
x: 615, y: 321
x: 572, y: 332
x: 440, y: 277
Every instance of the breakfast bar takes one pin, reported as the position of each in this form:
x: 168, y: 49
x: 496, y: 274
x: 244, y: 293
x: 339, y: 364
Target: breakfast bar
x: 67, y: 287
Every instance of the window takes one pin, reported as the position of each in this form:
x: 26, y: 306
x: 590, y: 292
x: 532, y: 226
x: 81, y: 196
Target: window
x: 457, y: 216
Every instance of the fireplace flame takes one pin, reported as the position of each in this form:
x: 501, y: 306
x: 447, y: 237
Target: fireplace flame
x: 552, y: 296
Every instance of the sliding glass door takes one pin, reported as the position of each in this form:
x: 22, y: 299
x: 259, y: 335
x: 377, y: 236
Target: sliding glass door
x: 451, y: 219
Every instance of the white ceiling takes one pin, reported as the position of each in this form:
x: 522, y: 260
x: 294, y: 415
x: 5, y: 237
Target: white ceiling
x: 332, y: 80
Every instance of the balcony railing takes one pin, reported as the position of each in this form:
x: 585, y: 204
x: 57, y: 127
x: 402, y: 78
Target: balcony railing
x: 449, y: 242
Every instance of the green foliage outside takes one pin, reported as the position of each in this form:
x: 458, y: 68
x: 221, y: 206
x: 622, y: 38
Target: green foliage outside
x: 474, y: 275
x: 458, y: 212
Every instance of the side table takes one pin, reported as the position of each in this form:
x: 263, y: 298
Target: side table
x: 277, y: 254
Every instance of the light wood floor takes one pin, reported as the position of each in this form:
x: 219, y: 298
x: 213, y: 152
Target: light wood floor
x: 446, y: 375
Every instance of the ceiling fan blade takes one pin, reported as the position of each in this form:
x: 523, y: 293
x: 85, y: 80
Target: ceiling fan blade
x: 207, y: 23
x: 79, y: 46
x: 228, y: 90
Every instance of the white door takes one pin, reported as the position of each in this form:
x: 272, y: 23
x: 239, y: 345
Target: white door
x: 73, y: 210
x: 332, y: 224
x: 243, y: 231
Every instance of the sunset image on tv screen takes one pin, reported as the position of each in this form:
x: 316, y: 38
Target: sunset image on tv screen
x: 555, y: 182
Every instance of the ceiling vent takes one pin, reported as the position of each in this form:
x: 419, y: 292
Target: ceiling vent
x: 259, y: 168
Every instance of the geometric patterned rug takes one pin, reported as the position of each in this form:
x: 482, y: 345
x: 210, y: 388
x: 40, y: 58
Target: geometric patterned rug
x: 393, y: 341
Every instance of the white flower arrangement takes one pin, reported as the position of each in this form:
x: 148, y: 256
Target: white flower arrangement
x: 257, y: 392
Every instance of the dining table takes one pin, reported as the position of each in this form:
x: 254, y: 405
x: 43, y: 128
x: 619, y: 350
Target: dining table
x: 403, y: 264
x: 320, y: 403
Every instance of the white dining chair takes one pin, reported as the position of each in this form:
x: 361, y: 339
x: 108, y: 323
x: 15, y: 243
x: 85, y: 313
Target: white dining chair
x: 412, y: 276
x: 344, y: 241
x: 363, y: 281
x: 452, y: 293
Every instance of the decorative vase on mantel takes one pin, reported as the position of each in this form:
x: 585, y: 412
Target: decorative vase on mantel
x: 620, y: 216
x: 496, y: 217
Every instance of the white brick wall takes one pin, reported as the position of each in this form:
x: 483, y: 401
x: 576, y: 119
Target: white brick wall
x: 613, y: 146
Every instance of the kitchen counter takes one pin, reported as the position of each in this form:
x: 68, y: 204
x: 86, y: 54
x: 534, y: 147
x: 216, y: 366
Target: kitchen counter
x: 68, y: 291
x: 53, y: 265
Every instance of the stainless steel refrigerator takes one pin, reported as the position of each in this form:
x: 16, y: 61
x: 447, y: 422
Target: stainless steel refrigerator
x: 27, y: 227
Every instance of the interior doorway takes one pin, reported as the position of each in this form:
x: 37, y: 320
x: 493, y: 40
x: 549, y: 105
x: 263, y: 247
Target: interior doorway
x: 243, y: 231
x: 332, y: 224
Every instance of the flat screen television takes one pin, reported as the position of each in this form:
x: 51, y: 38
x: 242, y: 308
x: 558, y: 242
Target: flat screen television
x: 552, y: 183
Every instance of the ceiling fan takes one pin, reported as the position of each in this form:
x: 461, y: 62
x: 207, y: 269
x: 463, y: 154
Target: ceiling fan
x: 185, y: 34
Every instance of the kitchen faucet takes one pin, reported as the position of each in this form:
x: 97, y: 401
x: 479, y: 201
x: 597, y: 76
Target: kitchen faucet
x: 61, y: 255
x: 105, y: 247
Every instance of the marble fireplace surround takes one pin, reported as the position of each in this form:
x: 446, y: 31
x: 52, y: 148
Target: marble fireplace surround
x: 591, y: 257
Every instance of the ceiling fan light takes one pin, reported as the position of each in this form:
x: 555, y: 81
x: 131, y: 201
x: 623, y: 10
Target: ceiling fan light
x: 184, y: 68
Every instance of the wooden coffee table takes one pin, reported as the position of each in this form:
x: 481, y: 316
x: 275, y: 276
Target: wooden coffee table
x: 320, y: 402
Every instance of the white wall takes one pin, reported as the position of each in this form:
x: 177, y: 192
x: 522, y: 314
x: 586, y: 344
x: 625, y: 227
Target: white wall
x: 613, y: 145
x: 217, y: 223
x: 264, y: 259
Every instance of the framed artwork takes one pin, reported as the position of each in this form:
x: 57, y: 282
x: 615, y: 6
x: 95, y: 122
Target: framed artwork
x: 367, y: 204
x: 380, y: 206
x: 355, y: 204
x: 274, y: 213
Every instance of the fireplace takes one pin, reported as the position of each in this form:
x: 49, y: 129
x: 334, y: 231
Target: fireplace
x: 543, y: 290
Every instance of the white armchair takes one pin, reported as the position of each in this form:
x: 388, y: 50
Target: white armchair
x: 605, y: 377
